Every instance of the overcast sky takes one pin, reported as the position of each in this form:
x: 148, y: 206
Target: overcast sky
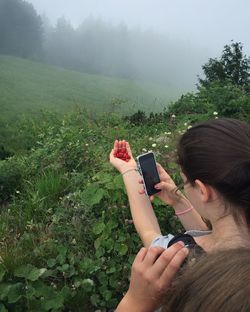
x: 209, y: 23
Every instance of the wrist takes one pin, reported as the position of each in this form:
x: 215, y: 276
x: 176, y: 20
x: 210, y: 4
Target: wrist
x: 129, y: 303
x: 182, y: 204
x: 123, y: 172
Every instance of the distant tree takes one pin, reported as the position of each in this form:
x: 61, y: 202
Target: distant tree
x: 59, y: 44
x: 233, y: 66
x: 20, y: 29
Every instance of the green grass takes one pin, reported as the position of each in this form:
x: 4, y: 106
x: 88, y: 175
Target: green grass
x: 28, y: 87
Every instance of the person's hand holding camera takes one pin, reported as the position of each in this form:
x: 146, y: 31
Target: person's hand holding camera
x: 168, y: 191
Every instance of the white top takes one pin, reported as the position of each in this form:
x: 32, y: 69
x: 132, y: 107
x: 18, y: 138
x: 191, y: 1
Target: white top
x: 163, y: 241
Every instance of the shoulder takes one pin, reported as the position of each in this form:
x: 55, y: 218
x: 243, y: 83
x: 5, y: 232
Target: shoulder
x: 162, y: 241
x: 197, y: 233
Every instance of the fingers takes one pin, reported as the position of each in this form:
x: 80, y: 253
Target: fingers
x: 163, y: 262
x: 162, y: 172
x: 165, y: 186
x: 128, y: 149
x: 111, y: 155
x: 174, y: 265
x: 141, y: 191
x: 160, y: 168
x: 116, y: 145
x: 152, y: 255
x: 140, y: 255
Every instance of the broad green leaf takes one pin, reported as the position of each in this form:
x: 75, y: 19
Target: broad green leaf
x: 100, y: 252
x: 109, y: 244
x: 87, y: 284
x: 95, y: 299
x: 112, y: 224
x: 51, y: 263
x: 62, y: 254
x: 98, y: 228
x: 15, y: 293
x: 65, y: 267
x: 93, y: 195
x: 97, y: 197
x: 107, y: 295
x: 86, y: 265
x: 43, y: 290
x: 123, y: 249
x: 53, y: 303
x: 29, y: 272
x: 65, y: 292
x: 103, y: 279
x: 4, y: 290
x: 97, y: 243
x: 111, y: 270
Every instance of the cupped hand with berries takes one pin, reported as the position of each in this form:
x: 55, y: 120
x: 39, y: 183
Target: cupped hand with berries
x: 121, y: 156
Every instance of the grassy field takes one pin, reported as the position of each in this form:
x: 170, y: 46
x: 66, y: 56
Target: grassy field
x: 26, y: 87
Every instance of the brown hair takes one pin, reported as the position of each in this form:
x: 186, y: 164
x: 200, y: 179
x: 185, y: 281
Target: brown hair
x: 219, y: 281
x: 217, y: 152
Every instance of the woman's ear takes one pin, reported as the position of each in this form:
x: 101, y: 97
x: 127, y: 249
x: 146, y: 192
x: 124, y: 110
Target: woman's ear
x: 204, y: 190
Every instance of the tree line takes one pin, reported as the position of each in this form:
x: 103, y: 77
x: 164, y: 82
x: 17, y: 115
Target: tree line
x: 99, y: 47
x: 95, y: 46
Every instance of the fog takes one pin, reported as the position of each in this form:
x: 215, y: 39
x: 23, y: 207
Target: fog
x: 208, y: 23
x: 193, y: 30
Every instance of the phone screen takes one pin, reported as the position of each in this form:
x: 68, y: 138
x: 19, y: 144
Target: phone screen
x: 147, y: 166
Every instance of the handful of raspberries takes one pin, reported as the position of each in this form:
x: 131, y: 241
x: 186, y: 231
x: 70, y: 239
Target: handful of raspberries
x: 122, y: 154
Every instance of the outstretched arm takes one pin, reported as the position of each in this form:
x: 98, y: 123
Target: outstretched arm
x: 141, y: 208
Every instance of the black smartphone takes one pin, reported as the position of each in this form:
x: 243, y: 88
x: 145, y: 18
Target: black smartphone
x: 147, y: 167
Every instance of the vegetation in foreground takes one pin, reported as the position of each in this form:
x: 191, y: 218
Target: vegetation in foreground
x: 67, y: 239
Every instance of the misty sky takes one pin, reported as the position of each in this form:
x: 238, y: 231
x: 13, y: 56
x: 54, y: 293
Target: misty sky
x: 208, y: 23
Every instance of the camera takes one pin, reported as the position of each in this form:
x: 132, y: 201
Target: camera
x: 147, y: 167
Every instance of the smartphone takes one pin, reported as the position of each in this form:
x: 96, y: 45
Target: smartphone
x: 147, y: 167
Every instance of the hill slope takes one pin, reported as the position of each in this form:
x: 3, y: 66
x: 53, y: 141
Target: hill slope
x: 28, y: 87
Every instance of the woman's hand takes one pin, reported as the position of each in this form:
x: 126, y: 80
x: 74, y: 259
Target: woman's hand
x: 167, y: 188
x: 118, y: 163
x: 152, y: 273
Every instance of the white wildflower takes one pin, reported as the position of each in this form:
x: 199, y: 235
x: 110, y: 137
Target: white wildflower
x: 168, y: 133
x: 216, y: 117
x: 215, y: 113
x: 144, y: 149
x: 150, y: 139
x: 189, y: 127
x: 86, y: 144
x: 185, y: 123
x: 173, y: 116
x: 153, y: 145
x: 166, y: 146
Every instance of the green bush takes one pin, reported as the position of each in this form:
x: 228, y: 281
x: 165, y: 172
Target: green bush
x: 4, y: 153
x: 10, y: 178
x: 191, y: 103
x: 67, y: 239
